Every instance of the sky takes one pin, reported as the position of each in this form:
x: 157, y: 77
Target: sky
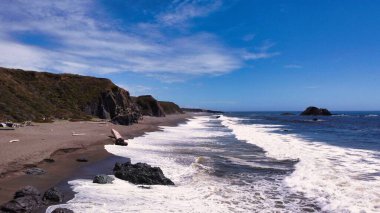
x: 231, y: 55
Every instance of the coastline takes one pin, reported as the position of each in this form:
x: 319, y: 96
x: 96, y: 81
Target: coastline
x: 68, y: 148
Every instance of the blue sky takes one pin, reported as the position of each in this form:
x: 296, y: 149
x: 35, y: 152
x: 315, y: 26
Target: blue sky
x: 225, y: 55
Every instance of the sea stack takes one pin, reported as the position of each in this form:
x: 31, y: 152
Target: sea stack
x: 315, y: 111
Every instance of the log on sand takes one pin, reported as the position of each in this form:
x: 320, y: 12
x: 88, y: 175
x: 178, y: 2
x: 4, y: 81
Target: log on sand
x: 118, y: 139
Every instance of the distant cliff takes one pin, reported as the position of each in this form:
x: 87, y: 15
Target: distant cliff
x: 149, y: 106
x: 38, y: 96
x: 200, y: 110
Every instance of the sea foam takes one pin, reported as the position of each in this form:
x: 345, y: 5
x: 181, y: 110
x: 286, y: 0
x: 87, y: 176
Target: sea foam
x: 340, y: 179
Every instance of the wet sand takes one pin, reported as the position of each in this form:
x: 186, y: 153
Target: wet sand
x: 56, y: 141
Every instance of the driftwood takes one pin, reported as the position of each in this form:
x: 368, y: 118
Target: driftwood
x: 118, y: 139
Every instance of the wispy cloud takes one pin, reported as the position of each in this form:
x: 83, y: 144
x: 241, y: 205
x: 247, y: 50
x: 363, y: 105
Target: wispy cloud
x: 84, y: 40
x: 293, y: 66
x: 182, y: 11
x: 136, y: 90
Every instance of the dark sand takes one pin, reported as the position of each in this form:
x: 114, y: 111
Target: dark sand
x: 55, y: 140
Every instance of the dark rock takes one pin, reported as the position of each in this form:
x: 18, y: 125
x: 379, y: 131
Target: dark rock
x: 141, y: 173
x: 121, y: 142
x: 316, y: 111
x: 62, y: 210
x: 53, y: 195
x: 149, y: 106
x: 103, y: 179
x: 145, y: 187
x: 49, y: 160
x: 35, y: 171
x: 170, y: 107
x: 82, y: 160
x: 126, y: 119
x: 27, y: 191
x: 218, y: 116
x: 201, y: 110
x: 22, y: 204
x: 315, y: 119
x: 287, y: 114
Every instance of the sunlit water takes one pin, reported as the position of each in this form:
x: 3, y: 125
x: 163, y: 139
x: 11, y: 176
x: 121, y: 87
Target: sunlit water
x: 240, y: 163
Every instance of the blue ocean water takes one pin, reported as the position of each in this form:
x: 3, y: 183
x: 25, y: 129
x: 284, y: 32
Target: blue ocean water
x: 352, y: 129
x: 249, y: 162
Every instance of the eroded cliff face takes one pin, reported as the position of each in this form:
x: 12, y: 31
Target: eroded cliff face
x: 149, y: 106
x: 29, y: 95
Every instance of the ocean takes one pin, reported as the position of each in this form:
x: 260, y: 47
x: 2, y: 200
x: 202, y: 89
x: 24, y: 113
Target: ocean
x: 249, y: 162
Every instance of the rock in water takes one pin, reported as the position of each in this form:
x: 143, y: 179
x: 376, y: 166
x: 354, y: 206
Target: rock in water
x: 316, y: 111
x: 141, y: 173
x: 35, y: 171
x: 53, y: 195
x: 103, y: 179
x: 25, y: 200
x: 62, y: 210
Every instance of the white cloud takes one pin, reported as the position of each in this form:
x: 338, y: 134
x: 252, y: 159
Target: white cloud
x: 293, y: 66
x: 136, y: 90
x: 181, y: 11
x: 84, y: 44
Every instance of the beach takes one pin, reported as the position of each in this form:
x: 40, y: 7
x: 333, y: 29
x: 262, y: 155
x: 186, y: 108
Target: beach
x: 64, y: 142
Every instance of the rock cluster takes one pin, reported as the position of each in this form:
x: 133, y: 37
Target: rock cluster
x: 141, y: 173
x: 315, y: 111
x: 103, y: 179
x: 29, y: 199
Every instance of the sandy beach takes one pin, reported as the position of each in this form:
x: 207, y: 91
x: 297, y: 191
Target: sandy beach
x: 64, y: 142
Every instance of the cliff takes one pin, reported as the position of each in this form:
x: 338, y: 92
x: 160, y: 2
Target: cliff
x: 41, y: 96
x: 200, y: 110
x: 149, y: 106
x: 170, y: 108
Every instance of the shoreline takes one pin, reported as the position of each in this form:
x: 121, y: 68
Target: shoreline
x: 65, y: 166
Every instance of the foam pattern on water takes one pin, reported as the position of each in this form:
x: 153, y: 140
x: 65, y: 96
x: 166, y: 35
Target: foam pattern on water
x: 196, y: 188
x: 339, y: 179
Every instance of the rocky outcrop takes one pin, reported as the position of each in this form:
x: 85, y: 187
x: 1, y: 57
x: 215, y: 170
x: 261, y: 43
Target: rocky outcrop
x: 25, y: 200
x: 28, y: 199
x: 149, y: 106
x: 103, y: 179
x: 315, y: 111
x: 41, y: 96
x: 141, y: 173
x: 170, y: 107
x: 53, y: 195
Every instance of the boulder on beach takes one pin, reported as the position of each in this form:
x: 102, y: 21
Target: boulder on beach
x: 35, y: 171
x: 62, y: 210
x: 27, y: 191
x: 141, y: 173
x: 315, y: 111
x: 25, y: 200
x: 103, y: 179
x: 53, y: 195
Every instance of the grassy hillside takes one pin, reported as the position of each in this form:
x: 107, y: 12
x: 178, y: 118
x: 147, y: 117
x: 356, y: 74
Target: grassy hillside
x: 28, y: 95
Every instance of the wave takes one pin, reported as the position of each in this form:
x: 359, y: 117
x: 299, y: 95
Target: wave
x: 195, y: 189
x: 339, y: 179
